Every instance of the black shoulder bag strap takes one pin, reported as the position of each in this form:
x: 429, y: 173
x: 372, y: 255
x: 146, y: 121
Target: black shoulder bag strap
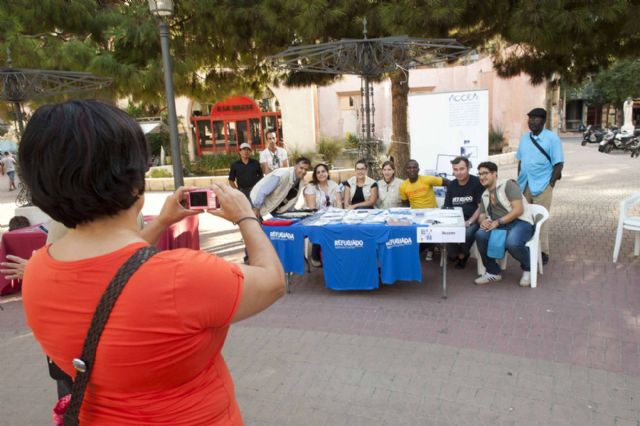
x: 84, y: 364
x: 541, y: 149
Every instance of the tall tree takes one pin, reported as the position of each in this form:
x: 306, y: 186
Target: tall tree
x: 617, y: 83
x: 216, y: 50
x: 569, y: 39
x: 219, y: 48
x: 399, y: 149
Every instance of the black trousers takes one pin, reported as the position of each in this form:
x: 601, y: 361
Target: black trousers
x: 64, y: 382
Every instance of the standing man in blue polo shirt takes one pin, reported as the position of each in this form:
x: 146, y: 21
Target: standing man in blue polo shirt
x: 540, y: 161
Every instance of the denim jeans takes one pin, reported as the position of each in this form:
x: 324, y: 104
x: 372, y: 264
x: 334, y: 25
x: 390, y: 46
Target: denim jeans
x: 454, y: 249
x: 518, y: 233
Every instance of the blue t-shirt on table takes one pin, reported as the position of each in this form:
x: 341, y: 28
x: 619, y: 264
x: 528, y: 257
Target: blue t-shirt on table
x: 399, y: 256
x: 288, y: 242
x: 349, y: 255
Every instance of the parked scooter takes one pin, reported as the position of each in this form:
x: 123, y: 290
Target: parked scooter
x: 619, y: 141
x: 635, y: 149
x: 592, y: 135
x: 606, y: 144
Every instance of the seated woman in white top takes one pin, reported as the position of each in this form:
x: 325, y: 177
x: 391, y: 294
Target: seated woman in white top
x: 389, y: 187
x: 360, y: 191
x: 322, y: 192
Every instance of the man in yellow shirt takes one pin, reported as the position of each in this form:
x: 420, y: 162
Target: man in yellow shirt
x: 417, y: 191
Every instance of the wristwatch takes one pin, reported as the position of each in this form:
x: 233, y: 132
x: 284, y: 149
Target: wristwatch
x: 500, y: 221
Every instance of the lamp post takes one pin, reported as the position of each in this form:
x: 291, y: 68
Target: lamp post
x: 163, y: 9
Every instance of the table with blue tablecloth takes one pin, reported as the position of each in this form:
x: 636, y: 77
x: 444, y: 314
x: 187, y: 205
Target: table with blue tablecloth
x: 352, y: 253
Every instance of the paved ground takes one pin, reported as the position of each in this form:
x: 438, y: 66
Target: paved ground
x: 565, y: 353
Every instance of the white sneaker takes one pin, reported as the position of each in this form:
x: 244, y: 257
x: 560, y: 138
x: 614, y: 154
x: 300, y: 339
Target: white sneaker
x: 525, y: 281
x: 487, y: 278
x: 429, y: 256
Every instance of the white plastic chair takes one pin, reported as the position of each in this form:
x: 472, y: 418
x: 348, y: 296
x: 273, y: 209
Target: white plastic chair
x: 630, y: 223
x: 540, y: 216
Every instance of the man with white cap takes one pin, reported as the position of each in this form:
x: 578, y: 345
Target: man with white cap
x: 540, y: 162
x: 245, y: 172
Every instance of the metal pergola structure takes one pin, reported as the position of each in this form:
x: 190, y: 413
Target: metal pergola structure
x: 18, y: 85
x: 368, y: 58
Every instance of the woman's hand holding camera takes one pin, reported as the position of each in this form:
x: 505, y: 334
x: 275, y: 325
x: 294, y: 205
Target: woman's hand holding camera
x: 233, y: 203
x: 173, y: 209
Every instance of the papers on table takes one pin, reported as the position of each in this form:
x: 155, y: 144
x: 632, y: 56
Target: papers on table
x: 376, y: 216
x: 399, y: 216
x: 326, y: 217
x: 396, y: 216
x: 355, y: 216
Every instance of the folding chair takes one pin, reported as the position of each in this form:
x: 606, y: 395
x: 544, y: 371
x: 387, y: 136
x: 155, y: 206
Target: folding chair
x: 630, y: 223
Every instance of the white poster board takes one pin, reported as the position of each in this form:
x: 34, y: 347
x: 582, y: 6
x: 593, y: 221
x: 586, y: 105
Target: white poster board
x: 443, y: 126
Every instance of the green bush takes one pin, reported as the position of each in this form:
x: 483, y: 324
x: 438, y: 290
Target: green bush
x: 295, y: 153
x: 496, y: 140
x: 330, y: 149
x: 156, y: 140
x: 352, y: 141
x: 161, y: 173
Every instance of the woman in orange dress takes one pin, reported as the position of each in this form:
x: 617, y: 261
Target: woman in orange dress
x: 159, y: 359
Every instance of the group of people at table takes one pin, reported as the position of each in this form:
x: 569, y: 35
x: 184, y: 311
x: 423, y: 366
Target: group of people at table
x: 487, y: 202
x: 159, y: 358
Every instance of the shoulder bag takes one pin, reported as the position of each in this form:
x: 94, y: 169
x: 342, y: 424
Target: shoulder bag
x: 497, y: 243
x: 67, y: 415
x: 497, y: 239
x: 541, y: 149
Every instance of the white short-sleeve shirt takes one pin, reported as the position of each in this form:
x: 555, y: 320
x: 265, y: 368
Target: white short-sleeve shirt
x: 274, y: 160
x: 324, y: 200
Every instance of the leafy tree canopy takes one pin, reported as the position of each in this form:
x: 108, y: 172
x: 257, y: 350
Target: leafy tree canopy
x: 613, y: 85
x: 219, y: 47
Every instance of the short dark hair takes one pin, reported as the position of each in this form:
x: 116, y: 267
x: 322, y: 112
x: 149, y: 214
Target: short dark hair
x: 460, y: 158
x: 303, y: 160
x: 271, y: 130
x: 314, y: 178
x: 18, y: 222
x: 388, y: 163
x: 83, y: 160
x: 362, y: 161
x: 6, y: 153
x: 489, y: 165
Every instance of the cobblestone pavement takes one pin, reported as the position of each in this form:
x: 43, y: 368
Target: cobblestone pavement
x: 567, y: 352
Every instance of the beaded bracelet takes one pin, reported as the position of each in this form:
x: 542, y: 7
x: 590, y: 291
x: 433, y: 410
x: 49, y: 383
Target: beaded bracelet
x: 245, y: 218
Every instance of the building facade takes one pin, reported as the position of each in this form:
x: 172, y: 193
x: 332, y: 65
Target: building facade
x: 334, y: 111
